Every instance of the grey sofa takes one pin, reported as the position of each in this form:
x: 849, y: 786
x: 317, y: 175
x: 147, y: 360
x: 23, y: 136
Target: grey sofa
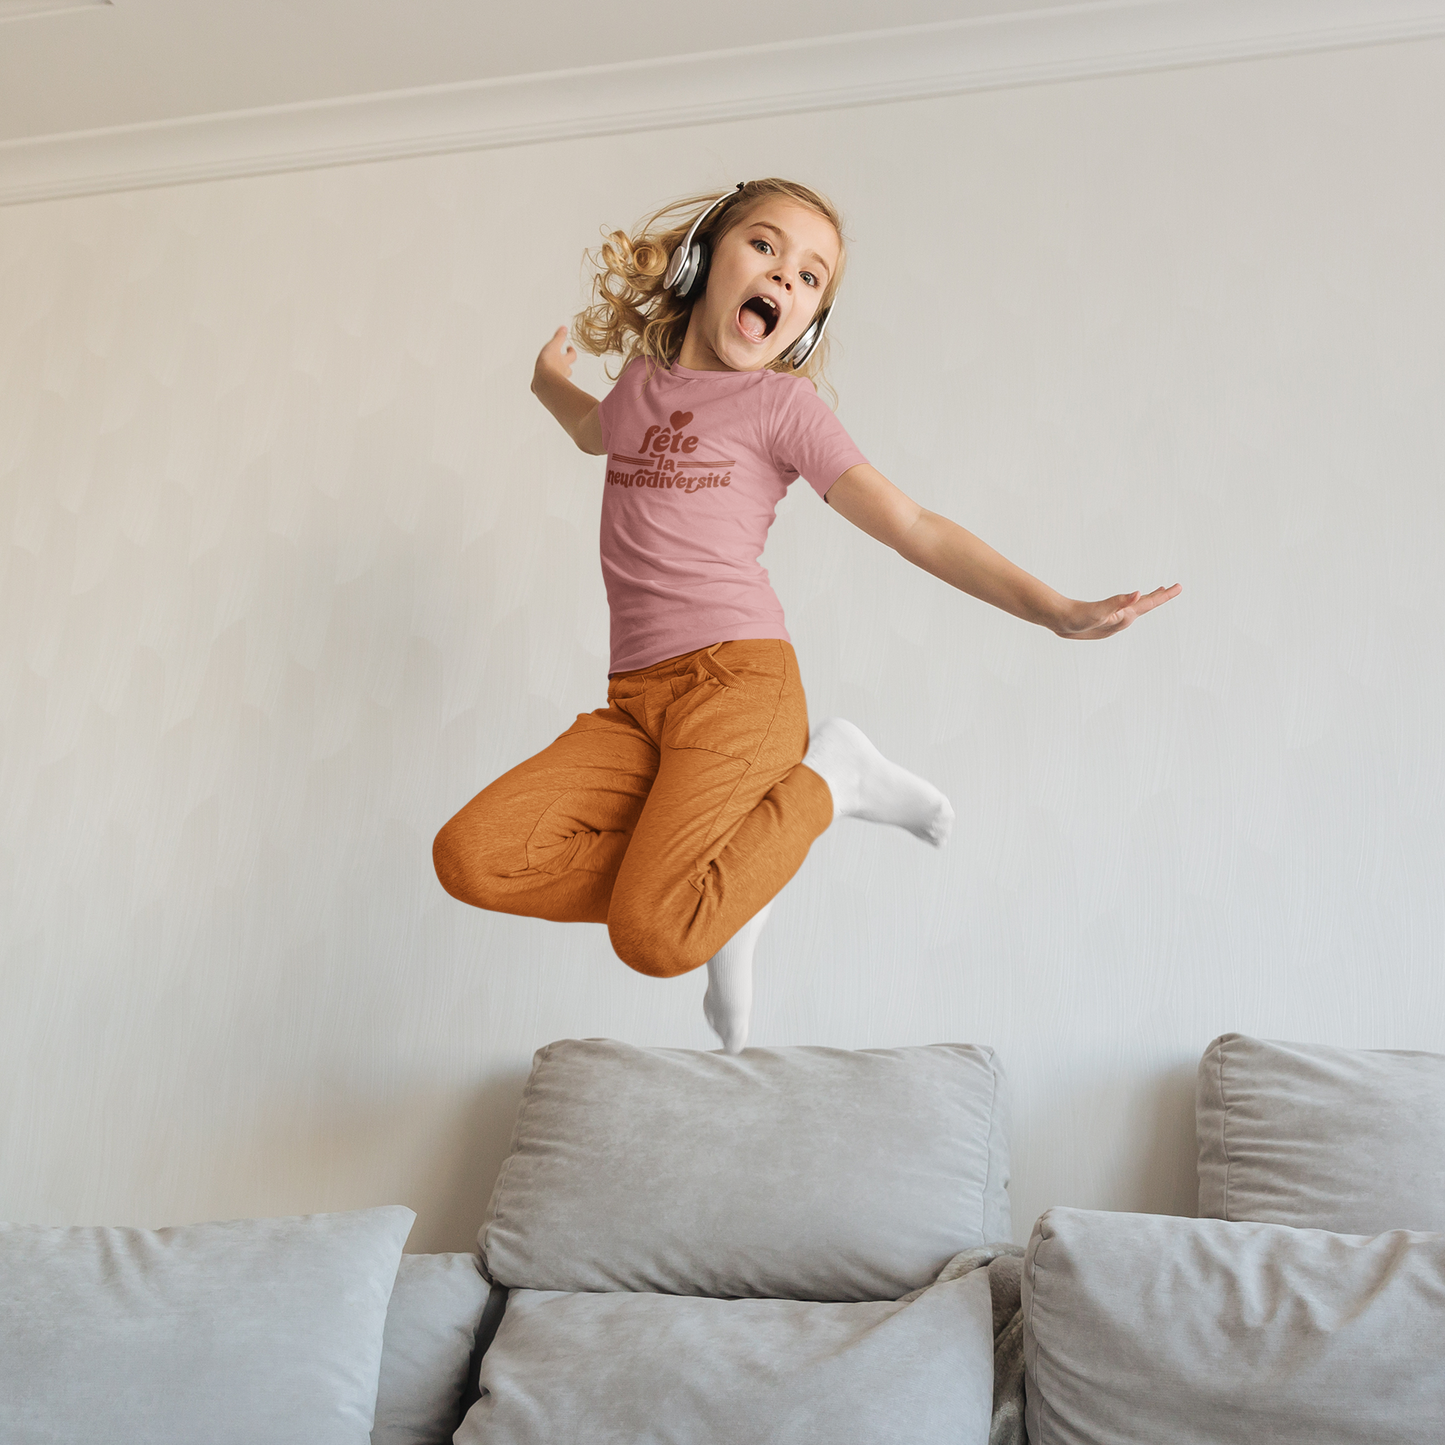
x: 700, y: 1247
x: 1307, y: 1306
x: 658, y: 1257
x: 313, y: 1330
x: 695, y: 1248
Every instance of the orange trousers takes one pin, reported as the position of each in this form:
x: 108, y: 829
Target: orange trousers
x: 672, y: 815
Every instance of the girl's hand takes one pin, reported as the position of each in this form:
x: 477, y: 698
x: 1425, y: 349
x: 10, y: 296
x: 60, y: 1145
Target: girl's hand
x: 1082, y: 621
x: 555, y: 359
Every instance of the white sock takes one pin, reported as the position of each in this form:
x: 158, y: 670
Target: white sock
x: 864, y: 784
x: 728, y: 1003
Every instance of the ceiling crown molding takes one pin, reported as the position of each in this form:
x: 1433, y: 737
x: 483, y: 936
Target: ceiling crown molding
x: 1110, y: 37
x: 26, y: 9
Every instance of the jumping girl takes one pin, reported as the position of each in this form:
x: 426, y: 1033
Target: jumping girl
x: 676, y: 813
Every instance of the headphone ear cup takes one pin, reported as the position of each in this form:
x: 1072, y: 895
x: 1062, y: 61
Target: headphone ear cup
x: 799, y: 352
x: 802, y: 348
x: 676, y: 265
x: 687, y: 266
x: 694, y: 271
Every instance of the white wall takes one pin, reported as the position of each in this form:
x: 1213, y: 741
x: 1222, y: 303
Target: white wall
x: 293, y: 564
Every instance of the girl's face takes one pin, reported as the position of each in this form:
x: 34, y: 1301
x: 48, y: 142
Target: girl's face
x: 767, y: 276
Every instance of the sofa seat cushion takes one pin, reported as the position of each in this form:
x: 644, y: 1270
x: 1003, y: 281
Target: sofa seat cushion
x: 232, y: 1333
x: 1350, y: 1140
x: 1145, y: 1328
x: 431, y: 1326
x: 615, y: 1369
x: 793, y: 1173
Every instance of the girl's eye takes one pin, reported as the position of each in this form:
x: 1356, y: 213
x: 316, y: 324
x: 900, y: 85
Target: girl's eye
x: 763, y: 247
x: 811, y: 279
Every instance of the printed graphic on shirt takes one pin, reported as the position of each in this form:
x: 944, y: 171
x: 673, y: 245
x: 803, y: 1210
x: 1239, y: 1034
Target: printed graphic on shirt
x: 669, y: 460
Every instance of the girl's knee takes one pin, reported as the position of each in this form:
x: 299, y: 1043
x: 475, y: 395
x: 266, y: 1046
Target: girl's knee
x: 445, y: 860
x: 459, y: 868
x: 652, y: 949
x: 656, y: 961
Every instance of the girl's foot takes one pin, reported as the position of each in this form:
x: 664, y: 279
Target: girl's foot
x: 864, y: 784
x: 728, y: 1003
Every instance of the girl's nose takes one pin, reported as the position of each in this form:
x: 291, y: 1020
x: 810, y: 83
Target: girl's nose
x: 786, y: 285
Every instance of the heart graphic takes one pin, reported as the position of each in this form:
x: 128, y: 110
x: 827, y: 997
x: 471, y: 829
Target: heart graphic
x: 680, y: 419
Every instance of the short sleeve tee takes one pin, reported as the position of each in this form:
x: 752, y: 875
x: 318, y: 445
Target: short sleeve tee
x: 697, y: 462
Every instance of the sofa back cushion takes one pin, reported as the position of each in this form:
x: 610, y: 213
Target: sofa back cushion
x: 1350, y: 1140
x: 233, y: 1333
x: 1144, y: 1328
x: 431, y: 1326
x: 795, y: 1173
x: 616, y: 1369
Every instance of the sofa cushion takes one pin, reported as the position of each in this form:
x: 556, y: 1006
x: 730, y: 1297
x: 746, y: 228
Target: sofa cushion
x: 1350, y: 1140
x: 232, y: 1333
x: 431, y: 1325
x: 615, y: 1369
x: 797, y: 1173
x: 1143, y: 1328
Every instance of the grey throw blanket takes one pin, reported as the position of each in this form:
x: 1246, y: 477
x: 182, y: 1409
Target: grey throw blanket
x: 1004, y: 1263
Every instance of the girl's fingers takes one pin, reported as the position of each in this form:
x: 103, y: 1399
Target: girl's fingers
x: 1158, y: 596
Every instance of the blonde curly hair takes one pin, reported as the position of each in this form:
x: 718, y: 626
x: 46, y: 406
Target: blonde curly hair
x: 633, y: 314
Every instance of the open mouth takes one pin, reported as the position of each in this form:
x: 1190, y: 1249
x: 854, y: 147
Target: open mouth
x: 757, y: 316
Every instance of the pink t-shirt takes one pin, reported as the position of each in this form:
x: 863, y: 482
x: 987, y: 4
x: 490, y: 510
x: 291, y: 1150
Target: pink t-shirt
x: 697, y: 462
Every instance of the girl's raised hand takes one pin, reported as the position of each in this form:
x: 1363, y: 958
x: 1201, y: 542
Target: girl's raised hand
x: 1083, y: 621
x: 555, y: 358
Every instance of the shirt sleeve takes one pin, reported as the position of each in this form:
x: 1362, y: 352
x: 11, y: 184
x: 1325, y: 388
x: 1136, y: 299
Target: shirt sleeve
x: 621, y: 389
x: 602, y: 420
x: 808, y: 438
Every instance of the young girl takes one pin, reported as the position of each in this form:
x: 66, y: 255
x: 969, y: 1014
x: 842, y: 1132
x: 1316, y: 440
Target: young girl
x: 676, y: 813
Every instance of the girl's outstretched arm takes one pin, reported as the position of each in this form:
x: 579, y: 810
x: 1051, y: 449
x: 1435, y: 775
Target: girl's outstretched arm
x: 575, y: 410
x: 870, y: 501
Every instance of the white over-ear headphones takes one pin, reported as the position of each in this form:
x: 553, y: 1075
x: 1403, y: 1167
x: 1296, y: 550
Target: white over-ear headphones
x: 686, y: 275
